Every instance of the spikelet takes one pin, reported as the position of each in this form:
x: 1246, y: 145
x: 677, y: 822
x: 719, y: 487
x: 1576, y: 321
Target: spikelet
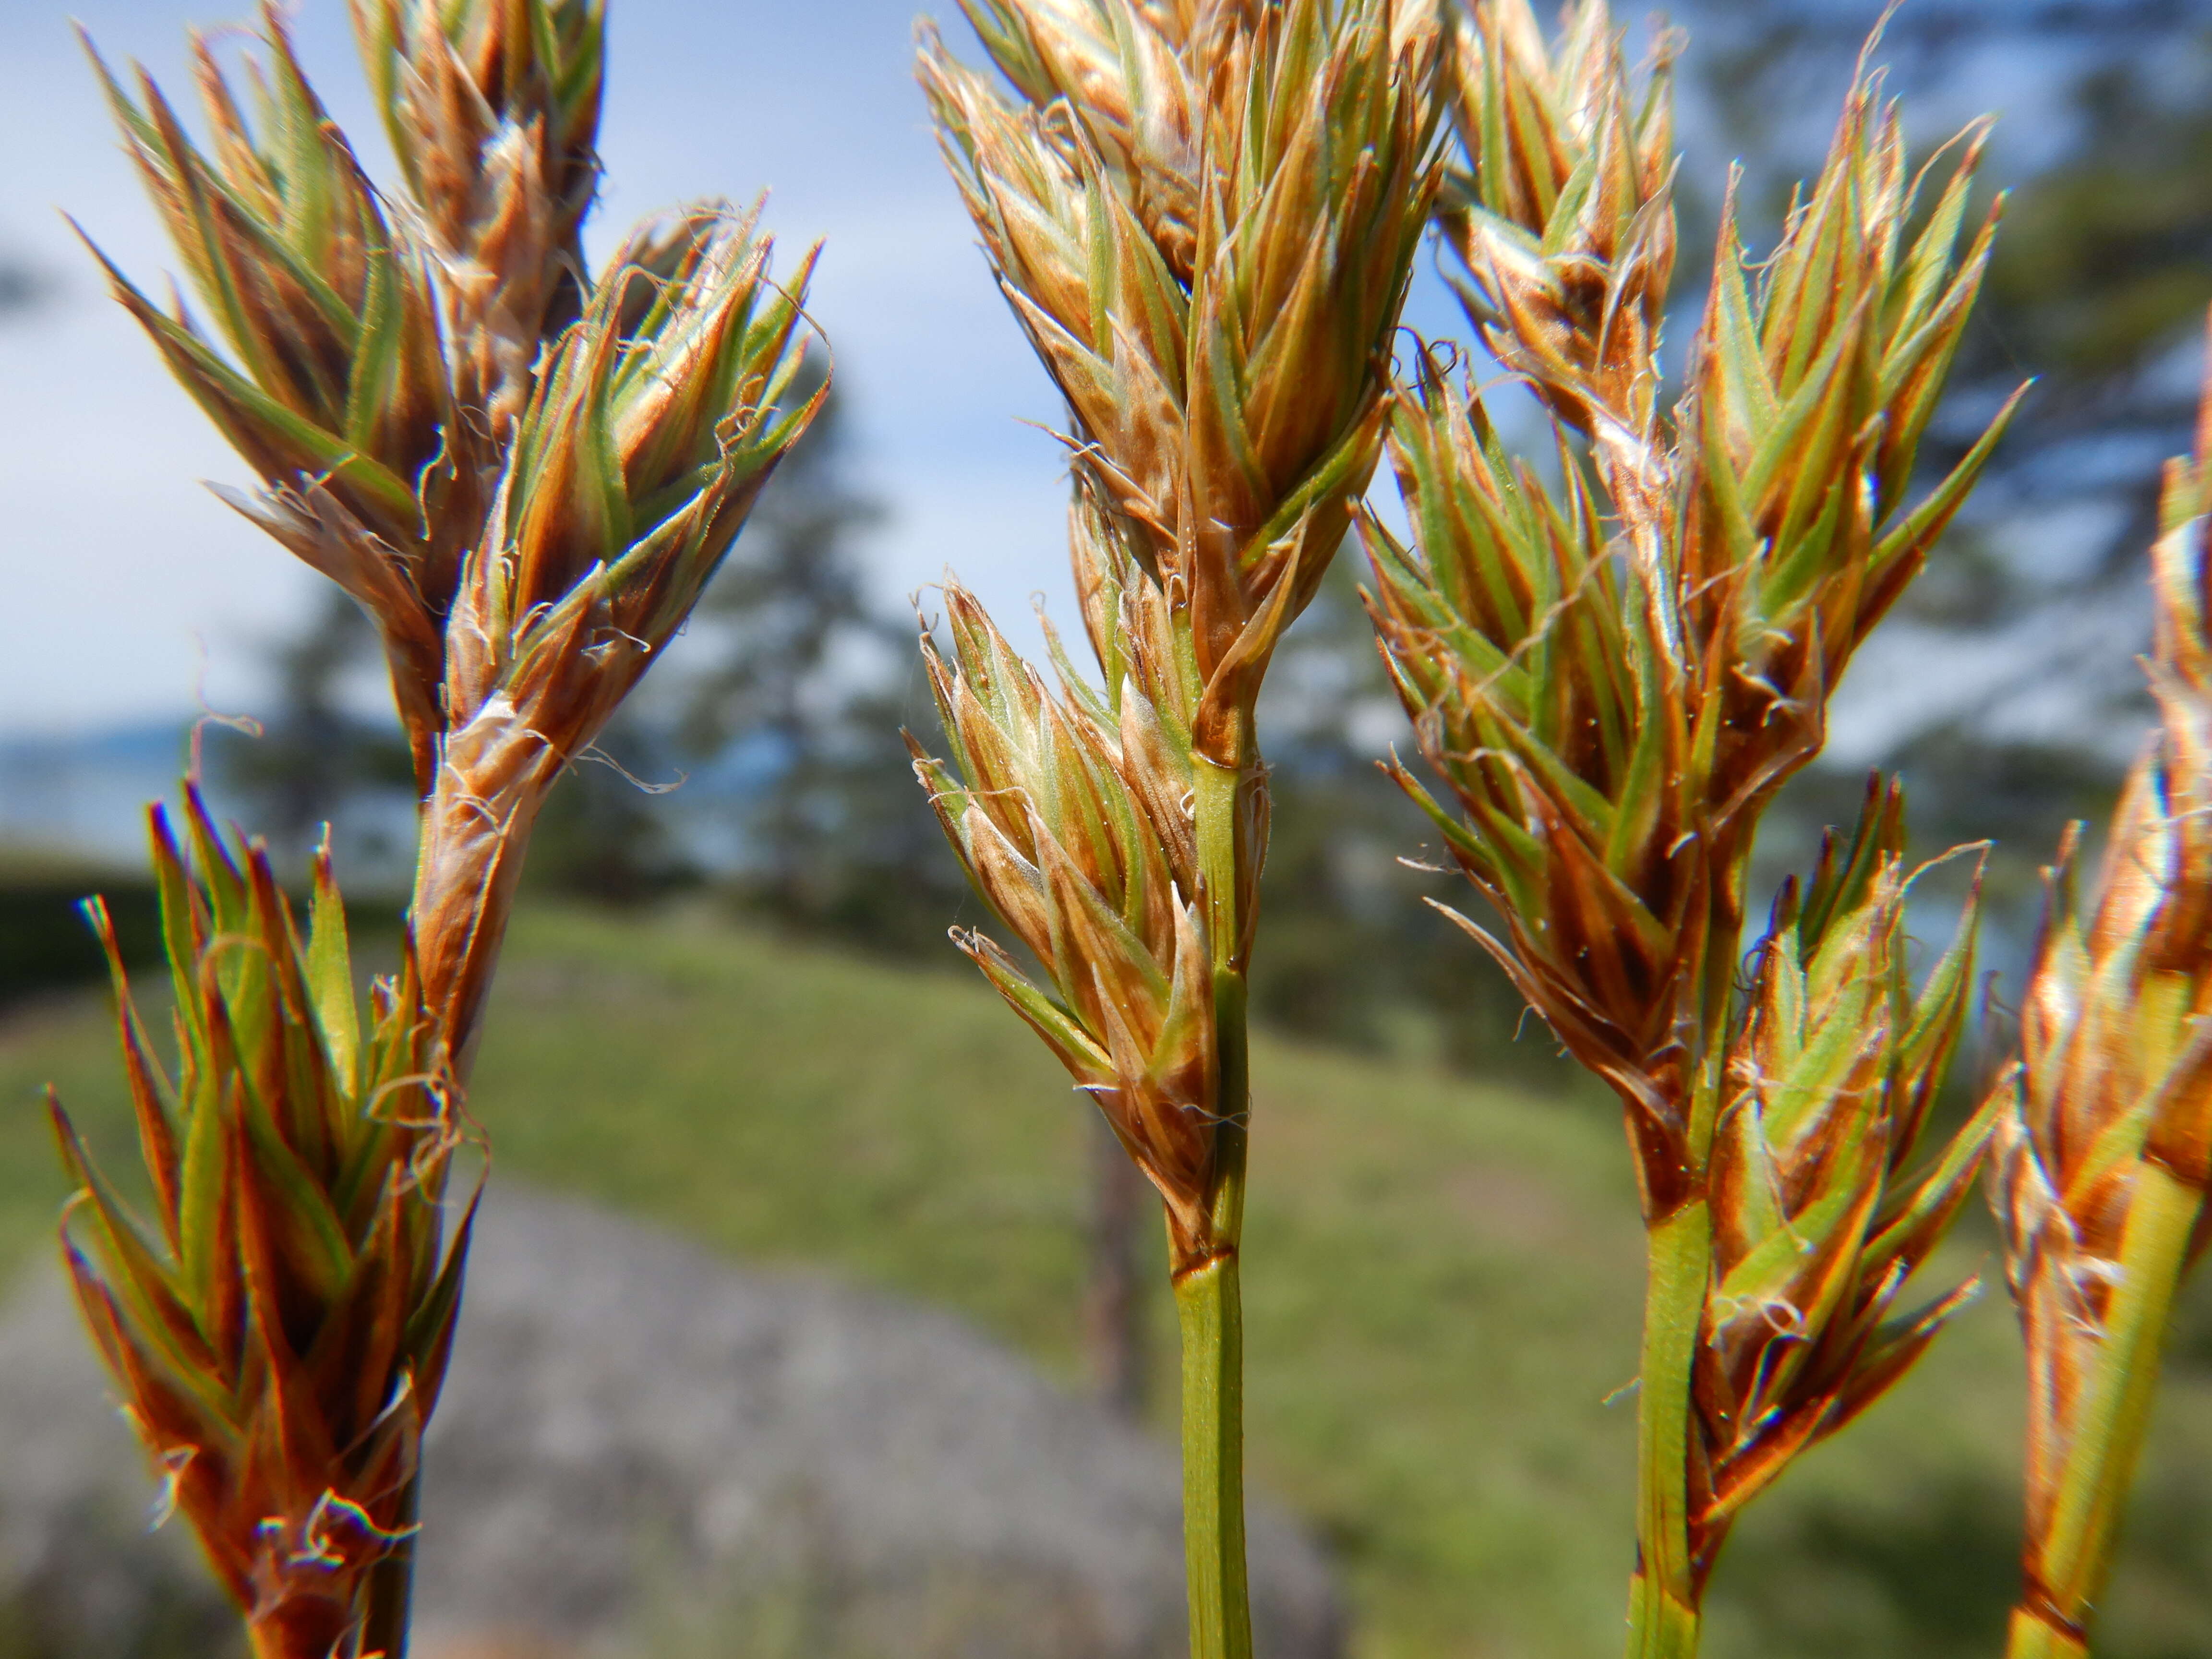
x: 1564, y: 216
x: 1822, y: 1211
x: 1075, y: 841
x: 1613, y: 675
x: 324, y: 368
x: 492, y: 111
x: 327, y: 310
x: 2105, y: 1136
x: 656, y: 419
x: 1613, y: 729
x: 1205, y: 217
x: 525, y: 479
x: 279, y: 1331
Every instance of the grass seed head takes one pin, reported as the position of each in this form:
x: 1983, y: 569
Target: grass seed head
x: 1823, y: 1208
x: 1053, y: 804
x: 279, y: 1330
x: 526, y: 480
x: 1613, y: 729
x: 1205, y: 217
x: 2115, y: 1070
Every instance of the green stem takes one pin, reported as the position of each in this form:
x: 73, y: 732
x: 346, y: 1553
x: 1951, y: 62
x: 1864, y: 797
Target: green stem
x: 2031, y: 1638
x: 1208, y: 1296
x: 300, y: 1627
x: 392, y: 1587
x: 1663, y: 1601
x: 1212, y: 1319
x: 1215, y: 820
x: 2071, y: 1562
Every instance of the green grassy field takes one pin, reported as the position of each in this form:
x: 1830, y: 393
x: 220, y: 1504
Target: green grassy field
x: 1443, y: 1282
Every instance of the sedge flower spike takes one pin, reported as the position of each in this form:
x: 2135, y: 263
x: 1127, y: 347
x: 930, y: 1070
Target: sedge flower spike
x: 525, y: 477
x: 494, y: 117
x: 377, y: 364
x: 322, y: 361
x: 1205, y: 223
x: 1204, y: 217
x: 278, y: 1330
x: 2104, y: 1137
x: 1824, y: 1205
x: 657, y: 419
x: 1613, y: 675
x: 1562, y: 220
x: 1071, y: 841
x: 1208, y: 238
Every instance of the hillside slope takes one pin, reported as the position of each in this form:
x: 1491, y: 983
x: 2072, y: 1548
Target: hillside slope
x: 1443, y: 1282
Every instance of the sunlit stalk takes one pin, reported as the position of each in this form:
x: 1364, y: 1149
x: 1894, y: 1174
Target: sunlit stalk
x: 1663, y: 1611
x: 1209, y: 1293
x: 1212, y: 1317
x: 389, y: 1617
x: 2067, y: 1573
x: 2105, y: 1149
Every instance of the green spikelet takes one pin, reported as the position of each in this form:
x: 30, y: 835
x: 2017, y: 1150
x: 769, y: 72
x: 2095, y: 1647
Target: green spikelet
x: 279, y: 1329
x: 2105, y: 1127
x: 1612, y: 675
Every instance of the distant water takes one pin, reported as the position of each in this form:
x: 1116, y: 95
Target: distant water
x: 85, y: 793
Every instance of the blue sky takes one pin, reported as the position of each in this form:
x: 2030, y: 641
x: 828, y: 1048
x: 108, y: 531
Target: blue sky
x: 122, y: 566
x: 132, y: 584
x: 134, y: 592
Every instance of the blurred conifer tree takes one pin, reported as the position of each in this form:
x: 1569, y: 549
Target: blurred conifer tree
x: 315, y: 757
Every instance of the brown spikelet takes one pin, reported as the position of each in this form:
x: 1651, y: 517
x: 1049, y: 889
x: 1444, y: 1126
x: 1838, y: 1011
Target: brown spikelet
x: 1822, y: 1208
x: 1563, y: 217
x: 2104, y: 1125
x: 279, y: 1333
x: 492, y: 111
x: 1612, y: 675
x: 654, y: 424
x: 389, y: 372
x: 323, y: 364
x: 1052, y: 812
x: 1204, y: 218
